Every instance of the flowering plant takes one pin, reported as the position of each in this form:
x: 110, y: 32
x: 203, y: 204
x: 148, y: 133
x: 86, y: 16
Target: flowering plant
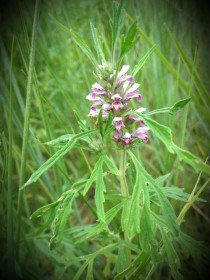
x: 135, y: 222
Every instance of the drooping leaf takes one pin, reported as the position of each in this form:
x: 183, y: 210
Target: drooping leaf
x: 142, y: 61
x: 53, y: 159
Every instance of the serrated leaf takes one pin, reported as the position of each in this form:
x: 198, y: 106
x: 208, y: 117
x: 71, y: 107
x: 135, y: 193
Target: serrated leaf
x: 111, y: 165
x: 60, y: 153
x: 61, y: 217
x: 121, y: 262
x: 172, y: 257
x: 142, y: 61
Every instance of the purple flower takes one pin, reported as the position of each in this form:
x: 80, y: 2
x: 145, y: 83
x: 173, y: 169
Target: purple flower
x: 119, y: 124
x: 96, y: 90
x: 122, y: 76
x: 135, y: 118
x: 126, y: 139
x: 117, y: 104
x: 141, y: 133
x: 132, y: 92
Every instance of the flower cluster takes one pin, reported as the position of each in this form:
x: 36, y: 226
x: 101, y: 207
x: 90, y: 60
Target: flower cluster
x: 113, y: 93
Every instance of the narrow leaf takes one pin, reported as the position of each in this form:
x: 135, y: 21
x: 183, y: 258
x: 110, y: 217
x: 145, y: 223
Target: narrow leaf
x: 171, y: 110
x: 92, y: 177
x: 52, y: 160
x: 61, y: 217
x: 99, y: 192
x: 142, y: 61
x: 172, y: 257
x: 100, y: 122
x: 111, y: 165
x: 129, y: 40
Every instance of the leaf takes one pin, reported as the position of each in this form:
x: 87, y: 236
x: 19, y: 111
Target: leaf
x: 99, y: 192
x: 61, y: 217
x: 146, y: 222
x: 166, y: 207
x: 97, y: 44
x: 128, y: 41
x: 60, y: 140
x: 171, y: 110
x: 111, y: 165
x: 60, y: 153
x: 167, y: 210
x: 100, y: 122
x: 108, y: 126
x: 116, y: 22
x: 172, y: 257
x: 191, y: 159
x: 146, y: 219
x: 142, y: 61
x: 93, y: 175
x: 161, y: 179
x: 84, y: 47
x: 165, y: 136
x: 109, y: 216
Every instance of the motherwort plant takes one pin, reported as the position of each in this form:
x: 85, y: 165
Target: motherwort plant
x: 136, y: 227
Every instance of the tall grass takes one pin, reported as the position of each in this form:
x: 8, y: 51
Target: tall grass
x: 52, y: 88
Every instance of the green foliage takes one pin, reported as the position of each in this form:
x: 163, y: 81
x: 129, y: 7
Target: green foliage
x: 134, y: 230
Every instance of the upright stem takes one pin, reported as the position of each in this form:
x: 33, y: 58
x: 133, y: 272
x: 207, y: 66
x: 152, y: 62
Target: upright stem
x: 26, y: 127
x: 125, y: 192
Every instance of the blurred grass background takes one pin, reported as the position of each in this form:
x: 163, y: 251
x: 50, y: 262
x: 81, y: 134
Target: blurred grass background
x: 63, y: 76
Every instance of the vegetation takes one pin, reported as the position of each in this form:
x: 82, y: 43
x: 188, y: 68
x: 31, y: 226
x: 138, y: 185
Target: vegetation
x: 75, y: 204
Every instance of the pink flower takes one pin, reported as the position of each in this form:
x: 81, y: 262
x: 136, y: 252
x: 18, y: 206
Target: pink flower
x: 127, y: 139
x: 135, y: 118
x: 122, y: 76
x: 117, y: 104
x: 132, y: 92
x: 141, y: 133
x: 96, y: 90
x: 119, y: 124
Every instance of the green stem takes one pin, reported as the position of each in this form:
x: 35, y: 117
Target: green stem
x: 125, y: 192
x: 26, y: 126
x: 10, y: 240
